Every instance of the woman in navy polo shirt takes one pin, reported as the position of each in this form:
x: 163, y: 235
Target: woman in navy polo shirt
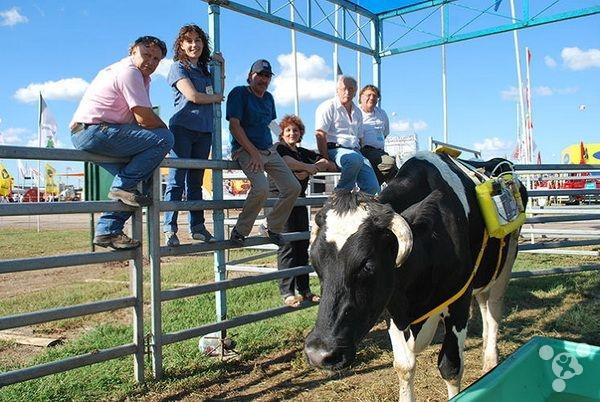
x: 191, y: 125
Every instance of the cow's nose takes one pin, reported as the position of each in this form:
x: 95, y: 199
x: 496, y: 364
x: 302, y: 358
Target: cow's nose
x: 317, y: 356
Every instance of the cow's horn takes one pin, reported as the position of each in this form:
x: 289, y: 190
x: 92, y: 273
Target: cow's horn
x: 404, y: 235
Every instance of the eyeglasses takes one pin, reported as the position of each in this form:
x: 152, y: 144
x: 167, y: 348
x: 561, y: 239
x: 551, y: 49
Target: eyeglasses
x: 152, y: 40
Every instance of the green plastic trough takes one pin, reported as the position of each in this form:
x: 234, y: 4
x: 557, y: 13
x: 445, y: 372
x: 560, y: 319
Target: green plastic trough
x: 542, y: 370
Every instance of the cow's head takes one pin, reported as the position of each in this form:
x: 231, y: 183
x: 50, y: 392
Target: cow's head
x: 357, y: 244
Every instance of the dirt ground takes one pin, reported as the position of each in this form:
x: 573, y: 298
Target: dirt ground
x: 285, y: 376
x: 277, y: 377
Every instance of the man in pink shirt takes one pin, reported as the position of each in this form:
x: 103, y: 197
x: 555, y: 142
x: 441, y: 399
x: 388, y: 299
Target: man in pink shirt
x: 115, y: 118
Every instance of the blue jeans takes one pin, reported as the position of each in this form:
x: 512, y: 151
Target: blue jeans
x: 356, y: 170
x: 189, y: 144
x: 146, y: 147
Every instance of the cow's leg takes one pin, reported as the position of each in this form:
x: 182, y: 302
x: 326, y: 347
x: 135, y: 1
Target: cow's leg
x: 406, y: 351
x: 450, y: 358
x: 404, y: 361
x: 495, y: 306
x: 482, y: 299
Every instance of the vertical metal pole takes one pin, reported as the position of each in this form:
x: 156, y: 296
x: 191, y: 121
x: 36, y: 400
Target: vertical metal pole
x: 375, y: 45
x: 529, y: 125
x: 136, y: 287
x: 518, y: 62
x: 358, y: 53
x: 155, y: 281
x: 295, y: 59
x: 444, y: 16
x: 335, y: 45
x: 217, y: 177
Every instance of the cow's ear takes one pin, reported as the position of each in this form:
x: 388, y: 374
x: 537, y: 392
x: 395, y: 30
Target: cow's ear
x: 404, y: 236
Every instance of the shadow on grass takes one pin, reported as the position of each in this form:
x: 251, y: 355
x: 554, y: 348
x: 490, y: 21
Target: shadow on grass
x: 247, y: 374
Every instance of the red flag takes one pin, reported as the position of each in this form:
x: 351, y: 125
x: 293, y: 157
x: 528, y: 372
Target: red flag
x: 528, y: 55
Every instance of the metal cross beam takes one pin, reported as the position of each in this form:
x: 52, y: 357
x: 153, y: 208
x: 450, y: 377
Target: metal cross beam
x: 315, y: 9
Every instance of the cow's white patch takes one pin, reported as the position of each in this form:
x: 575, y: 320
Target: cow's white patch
x: 341, y: 226
x: 448, y: 175
x: 426, y: 333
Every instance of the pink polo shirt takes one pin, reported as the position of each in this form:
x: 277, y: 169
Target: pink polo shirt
x: 112, y: 94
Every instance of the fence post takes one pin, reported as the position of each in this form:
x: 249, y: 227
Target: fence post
x: 136, y: 286
x: 153, y: 219
x: 217, y: 177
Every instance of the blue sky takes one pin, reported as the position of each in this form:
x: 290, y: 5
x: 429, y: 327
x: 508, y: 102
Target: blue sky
x: 59, y: 47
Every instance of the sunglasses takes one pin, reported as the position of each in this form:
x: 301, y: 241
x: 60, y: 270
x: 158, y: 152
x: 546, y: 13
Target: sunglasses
x: 151, y: 40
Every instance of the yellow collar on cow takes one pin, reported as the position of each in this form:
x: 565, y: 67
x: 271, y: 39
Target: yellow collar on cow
x: 452, y: 299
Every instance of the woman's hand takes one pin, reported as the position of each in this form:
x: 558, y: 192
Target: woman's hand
x: 301, y: 174
x: 218, y: 57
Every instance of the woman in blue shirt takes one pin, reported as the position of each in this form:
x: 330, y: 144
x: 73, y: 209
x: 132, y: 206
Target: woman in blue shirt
x: 191, y: 125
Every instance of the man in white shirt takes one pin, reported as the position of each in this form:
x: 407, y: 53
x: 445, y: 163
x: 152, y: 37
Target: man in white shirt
x: 339, y: 133
x: 376, y: 127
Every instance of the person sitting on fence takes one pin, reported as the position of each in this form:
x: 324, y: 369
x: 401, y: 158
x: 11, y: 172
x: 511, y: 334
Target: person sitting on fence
x: 250, y: 110
x: 115, y: 118
x: 339, y: 132
x: 304, y: 163
x: 191, y: 125
x: 376, y: 126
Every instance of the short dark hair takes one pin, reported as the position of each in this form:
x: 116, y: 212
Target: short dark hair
x: 289, y: 120
x: 372, y: 88
x: 149, y: 40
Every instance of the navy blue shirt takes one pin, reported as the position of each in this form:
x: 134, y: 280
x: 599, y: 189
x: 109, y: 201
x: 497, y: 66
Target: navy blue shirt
x: 189, y: 114
x: 254, y: 114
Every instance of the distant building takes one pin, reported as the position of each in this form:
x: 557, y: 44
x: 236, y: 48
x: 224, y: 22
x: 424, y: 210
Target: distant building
x: 402, y: 147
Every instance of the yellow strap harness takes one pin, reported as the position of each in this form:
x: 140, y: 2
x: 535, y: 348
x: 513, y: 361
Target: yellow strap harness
x: 451, y: 300
x: 476, y: 177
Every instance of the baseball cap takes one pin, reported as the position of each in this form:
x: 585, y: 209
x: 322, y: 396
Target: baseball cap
x: 261, y: 66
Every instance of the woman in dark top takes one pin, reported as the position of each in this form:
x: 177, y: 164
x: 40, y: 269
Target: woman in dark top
x: 304, y: 163
x: 191, y: 125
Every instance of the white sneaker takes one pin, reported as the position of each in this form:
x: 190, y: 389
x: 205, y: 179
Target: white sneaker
x: 262, y: 230
x: 171, y: 239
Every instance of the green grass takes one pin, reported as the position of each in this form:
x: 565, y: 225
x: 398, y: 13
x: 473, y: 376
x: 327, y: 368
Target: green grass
x: 534, y: 305
x: 21, y: 243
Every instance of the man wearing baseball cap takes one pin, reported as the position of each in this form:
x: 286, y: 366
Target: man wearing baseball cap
x: 250, y: 110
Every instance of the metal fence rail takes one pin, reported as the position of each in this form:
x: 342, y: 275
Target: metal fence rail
x: 155, y: 252
x: 134, y: 301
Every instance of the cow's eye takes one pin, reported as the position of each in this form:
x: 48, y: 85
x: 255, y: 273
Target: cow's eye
x: 368, y: 269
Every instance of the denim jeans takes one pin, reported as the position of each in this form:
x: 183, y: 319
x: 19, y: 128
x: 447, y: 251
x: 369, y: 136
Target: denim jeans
x: 189, y: 144
x: 356, y: 170
x: 146, y: 147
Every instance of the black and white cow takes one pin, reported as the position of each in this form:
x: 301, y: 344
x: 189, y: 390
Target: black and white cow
x: 408, y: 252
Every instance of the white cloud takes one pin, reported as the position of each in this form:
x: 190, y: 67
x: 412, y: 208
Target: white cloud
x: 163, y: 68
x: 14, y: 135
x: 408, y: 125
x: 550, y: 62
x: 420, y: 125
x: 65, y: 89
x: 512, y: 93
x: 543, y: 91
x: 12, y: 17
x: 577, y: 59
x: 494, y: 147
x: 314, y: 81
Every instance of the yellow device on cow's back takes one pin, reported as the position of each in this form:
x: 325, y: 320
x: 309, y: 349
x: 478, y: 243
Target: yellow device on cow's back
x: 501, y: 205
